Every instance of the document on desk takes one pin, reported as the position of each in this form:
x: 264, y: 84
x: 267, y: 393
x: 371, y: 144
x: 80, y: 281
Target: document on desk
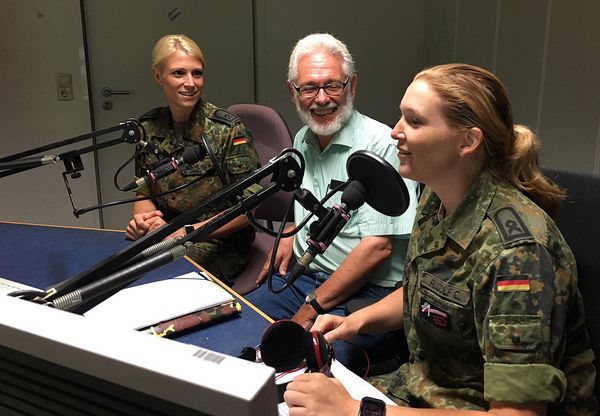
x: 355, y: 385
x: 145, y: 305
x: 9, y: 286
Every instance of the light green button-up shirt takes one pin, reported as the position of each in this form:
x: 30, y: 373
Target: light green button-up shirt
x: 359, y: 133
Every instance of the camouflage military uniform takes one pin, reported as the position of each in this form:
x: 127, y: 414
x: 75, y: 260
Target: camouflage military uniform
x: 491, y: 308
x: 237, y: 158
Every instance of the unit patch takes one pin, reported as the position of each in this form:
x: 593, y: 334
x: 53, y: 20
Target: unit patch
x: 435, y: 315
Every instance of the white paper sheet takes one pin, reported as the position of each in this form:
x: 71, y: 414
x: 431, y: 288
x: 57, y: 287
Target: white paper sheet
x: 144, y: 305
x: 8, y: 286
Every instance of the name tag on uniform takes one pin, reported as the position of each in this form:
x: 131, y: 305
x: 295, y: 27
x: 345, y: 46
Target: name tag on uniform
x: 445, y: 290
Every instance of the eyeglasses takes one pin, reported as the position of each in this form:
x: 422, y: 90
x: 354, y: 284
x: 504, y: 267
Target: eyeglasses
x: 332, y: 89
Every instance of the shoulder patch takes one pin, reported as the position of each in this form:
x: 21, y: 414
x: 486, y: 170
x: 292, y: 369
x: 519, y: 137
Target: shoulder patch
x: 224, y: 116
x: 509, y: 223
x: 152, y: 114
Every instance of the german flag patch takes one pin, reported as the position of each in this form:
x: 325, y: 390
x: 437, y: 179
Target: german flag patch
x: 239, y: 140
x: 518, y: 283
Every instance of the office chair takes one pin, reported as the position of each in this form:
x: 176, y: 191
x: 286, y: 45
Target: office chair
x: 271, y: 135
x: 579, y: 224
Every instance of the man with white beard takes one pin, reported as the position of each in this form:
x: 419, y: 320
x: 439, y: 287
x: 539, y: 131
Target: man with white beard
x: 366, y: 259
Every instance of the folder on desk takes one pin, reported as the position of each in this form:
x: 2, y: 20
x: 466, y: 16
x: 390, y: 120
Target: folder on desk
x: 147, y: 305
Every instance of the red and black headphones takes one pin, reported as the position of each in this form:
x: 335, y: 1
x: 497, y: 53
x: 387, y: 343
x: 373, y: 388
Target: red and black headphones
x: 285, y: 344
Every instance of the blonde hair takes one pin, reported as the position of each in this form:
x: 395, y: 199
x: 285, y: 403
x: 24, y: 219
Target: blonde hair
x: 475, y: 97
x: 169, y: 44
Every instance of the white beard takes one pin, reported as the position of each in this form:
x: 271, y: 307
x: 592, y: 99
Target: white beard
x: 343, y: 114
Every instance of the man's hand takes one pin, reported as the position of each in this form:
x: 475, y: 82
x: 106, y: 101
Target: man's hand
x: 284, y: 255
x: 143, y: 223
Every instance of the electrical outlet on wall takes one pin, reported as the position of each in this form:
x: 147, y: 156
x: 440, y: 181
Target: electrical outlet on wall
x: 64, y: 87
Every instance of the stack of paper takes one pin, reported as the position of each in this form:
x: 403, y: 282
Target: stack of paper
x: 145, y: 305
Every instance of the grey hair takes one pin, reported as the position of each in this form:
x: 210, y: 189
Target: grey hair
x: 317, y: 42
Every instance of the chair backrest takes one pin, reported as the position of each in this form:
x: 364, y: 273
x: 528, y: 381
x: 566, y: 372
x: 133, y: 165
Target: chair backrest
x: 271, y: 135
x: 579, y: 224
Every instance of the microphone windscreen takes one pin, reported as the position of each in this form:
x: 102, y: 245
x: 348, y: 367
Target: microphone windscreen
x: 354, y: 195
x: 386, y: 190
x: 281, y: 345
x: 193, y: 154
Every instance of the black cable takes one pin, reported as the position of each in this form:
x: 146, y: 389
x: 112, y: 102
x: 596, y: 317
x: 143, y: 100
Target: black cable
x: 290, y: 233
x: 118, y: 171
x: 280, y: 234
x: 273, y: 254
x: 126, y: 201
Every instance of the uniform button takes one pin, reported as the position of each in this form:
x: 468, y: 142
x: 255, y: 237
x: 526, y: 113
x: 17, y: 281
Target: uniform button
x: 516, y: 339
x: 172, y: 198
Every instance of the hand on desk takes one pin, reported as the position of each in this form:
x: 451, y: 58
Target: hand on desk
x: 317, y: 394
x: 143, y: 223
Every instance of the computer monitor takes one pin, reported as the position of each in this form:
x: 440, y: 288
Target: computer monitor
x: 56, y: 362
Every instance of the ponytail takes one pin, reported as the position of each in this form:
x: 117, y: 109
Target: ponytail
x: 523, y: 171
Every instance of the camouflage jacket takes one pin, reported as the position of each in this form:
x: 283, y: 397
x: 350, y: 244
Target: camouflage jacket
x: 491, y: 307
x: 235, y: 158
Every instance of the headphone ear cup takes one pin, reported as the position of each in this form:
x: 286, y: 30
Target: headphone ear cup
x: 315, y: 350
x: 280, y: 345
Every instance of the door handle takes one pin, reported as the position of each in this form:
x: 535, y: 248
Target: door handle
x: 107, y: 92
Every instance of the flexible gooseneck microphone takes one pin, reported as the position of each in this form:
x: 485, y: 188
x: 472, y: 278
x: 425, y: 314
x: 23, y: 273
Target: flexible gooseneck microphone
x: 168, y: 166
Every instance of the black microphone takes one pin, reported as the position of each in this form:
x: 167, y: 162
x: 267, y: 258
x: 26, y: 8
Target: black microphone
x: 166, y: 167
x: 323, y: 231
x: 372, y: 180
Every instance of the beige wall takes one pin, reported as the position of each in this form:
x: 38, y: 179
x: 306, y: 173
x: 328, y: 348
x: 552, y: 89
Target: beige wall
x: 385, y: 38
x: 545, y: 51
x: 39, y: 39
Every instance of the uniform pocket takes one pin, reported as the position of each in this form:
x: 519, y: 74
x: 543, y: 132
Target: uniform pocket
x: 515, y: 332
x: 454, y: 319
x: 239, y: 164
x: 202, y: 168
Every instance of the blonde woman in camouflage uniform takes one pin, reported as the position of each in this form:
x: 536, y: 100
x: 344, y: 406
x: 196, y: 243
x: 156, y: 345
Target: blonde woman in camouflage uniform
x: 491, y: 310
x: 178, y: 67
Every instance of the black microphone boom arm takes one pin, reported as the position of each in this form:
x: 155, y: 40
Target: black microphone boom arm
x: 132, y: 132
x: 287, y: 176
